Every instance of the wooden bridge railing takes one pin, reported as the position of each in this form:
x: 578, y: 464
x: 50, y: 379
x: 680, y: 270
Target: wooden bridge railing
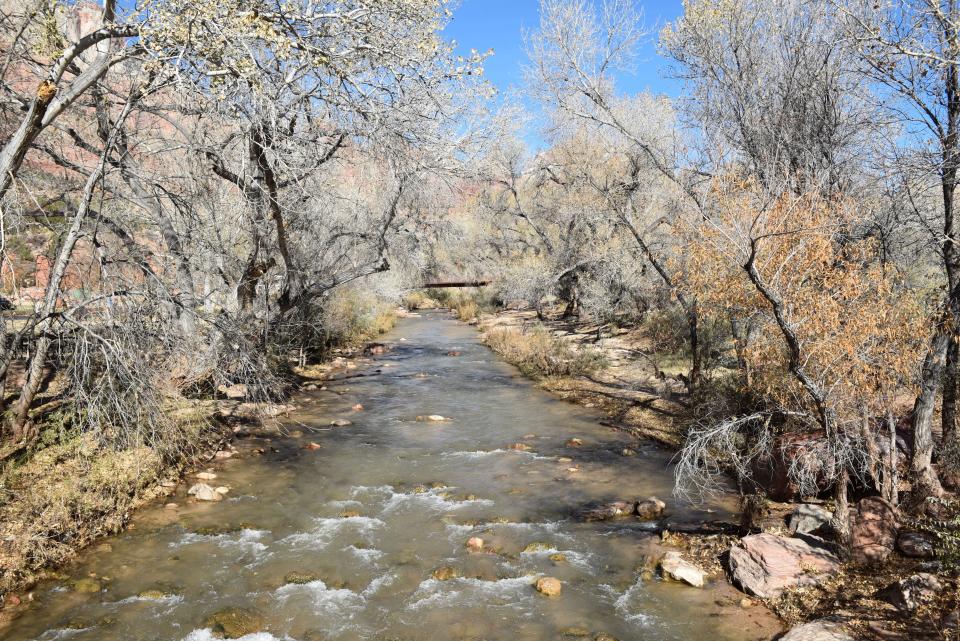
x: 463, y: 283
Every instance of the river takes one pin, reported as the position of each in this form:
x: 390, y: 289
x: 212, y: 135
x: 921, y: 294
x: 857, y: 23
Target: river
x: 341, y: 542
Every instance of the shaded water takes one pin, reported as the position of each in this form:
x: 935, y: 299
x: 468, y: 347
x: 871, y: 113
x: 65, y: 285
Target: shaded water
x: 388, y: 500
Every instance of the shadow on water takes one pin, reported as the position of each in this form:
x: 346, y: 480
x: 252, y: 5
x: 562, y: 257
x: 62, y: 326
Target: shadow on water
x: 341, y: 542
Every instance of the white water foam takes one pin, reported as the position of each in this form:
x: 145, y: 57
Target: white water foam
x: 461, y: 591
x: 245, y: 540
x: 208, y: 635
x: 625, y: 606
x: 328, y: 528
x: 432, y: 499
x: 576, y: 559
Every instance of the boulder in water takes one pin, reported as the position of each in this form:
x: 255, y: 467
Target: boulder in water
x: 574, y: 442
x: 87, y: 585
x: 650, y: 508
x: 206, y: 476
x: 340, y: 422
x: 234, y: 623
x: 203, y: 492
x: 475, y: 544
x: 520, y: 447
x: 549, y: 586
x: 357, y: 408
x: 606, y: 511
x: 675, y: 567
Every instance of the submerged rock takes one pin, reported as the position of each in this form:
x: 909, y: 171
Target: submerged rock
x: 537, y: 546
x: 433, y: 418
x: 299, y: 578
x: 520, y: 447
x: 606, y: 511
x: 765, y: 564
x: 340, y: 422
x: 234, y: 623
x: 475, y: 544
x: 549, y: 586
x: 86, y: 585
x: 445, y: 573
x: 676, y: 568
x: 153, y: 595
x: 574, y: 442
x: 206, y: 476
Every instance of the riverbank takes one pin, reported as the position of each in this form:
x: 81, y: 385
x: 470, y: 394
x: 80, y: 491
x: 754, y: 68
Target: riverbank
x: 362, y: 515
x: 72, y: 491
x: 641, y: 395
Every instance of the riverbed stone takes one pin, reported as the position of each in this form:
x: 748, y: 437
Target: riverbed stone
x: 203, y: 492
x: 606, y: 511
x: 87, y: 585
x: 909, y: 593
x: 475, y: 544
x: 300, y: 578
x: 650, y: 508
x: 340, y: 422
x: 764, y: 565
x: 549, y: 586
x: 445, y: 573
x: 233, y: 623
x: 206, y: 476
x: 674, y: 567
x: 821, y: 630
x: 807, y: 518
x: 520, y: 447
x: 433, y: 418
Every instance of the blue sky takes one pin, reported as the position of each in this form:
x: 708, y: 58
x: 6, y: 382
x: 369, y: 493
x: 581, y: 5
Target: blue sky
x: 499, y: 24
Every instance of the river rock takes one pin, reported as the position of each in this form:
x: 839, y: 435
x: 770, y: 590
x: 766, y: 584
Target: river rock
x: 606, y: 511
x: 873, y: 530
x: 908, y: 594
x: 822, y: 630
x: 203, y: 492
x: 807, y: 518
x: 549, y: 586
x: 475, y: 544
x: 87, y: 585
x: 673, y: 566
x: 223, y: 454
x: 357, y: 408
x: 650, y: 508
x: 340, y: 422
x: 433, y: 418
x: 765, y: 564
x: 299, y: 578
x: 312, y: 446
x: 574, y: 442
x: 520, y: 447
x: 445, y: 573
x: 234, y: 623
x: 206, y: 476
x: 223, y: 489
x: 916, y: 545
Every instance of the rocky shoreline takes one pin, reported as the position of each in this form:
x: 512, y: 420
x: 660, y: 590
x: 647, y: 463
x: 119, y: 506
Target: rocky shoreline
x: 890, y: 588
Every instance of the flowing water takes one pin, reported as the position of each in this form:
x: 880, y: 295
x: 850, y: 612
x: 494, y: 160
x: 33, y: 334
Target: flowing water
x: 386, y: 501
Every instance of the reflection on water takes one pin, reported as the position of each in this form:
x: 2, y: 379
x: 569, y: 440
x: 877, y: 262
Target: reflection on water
x: 341, y: 543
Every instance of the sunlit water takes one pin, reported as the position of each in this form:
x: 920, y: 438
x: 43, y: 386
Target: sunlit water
x: 388, y: 500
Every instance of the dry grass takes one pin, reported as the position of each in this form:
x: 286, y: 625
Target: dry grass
x: 539, y: 354
x: 466, y: 309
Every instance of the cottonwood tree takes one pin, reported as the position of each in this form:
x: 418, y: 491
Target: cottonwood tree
x: 574, y: 56
x: 911, y: 50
